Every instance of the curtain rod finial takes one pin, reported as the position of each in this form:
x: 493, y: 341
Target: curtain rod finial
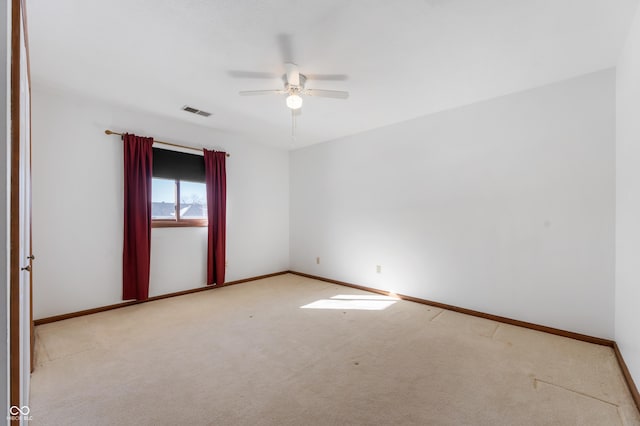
x: 108, y: 132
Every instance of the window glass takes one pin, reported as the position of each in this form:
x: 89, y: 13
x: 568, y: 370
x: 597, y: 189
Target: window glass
x: 163, y: 199
x: 193, y: 200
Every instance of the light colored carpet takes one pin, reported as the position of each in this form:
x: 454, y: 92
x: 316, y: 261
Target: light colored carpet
x: 251, y: 355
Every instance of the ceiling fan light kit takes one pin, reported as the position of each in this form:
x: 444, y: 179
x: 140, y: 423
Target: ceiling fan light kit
x: 294, y: 101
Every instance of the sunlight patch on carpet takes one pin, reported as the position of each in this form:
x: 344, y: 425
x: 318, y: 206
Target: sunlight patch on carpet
x: 364, y: 302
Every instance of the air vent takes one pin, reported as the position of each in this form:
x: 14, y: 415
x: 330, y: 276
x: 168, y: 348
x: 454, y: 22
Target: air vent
x: 196, y: 111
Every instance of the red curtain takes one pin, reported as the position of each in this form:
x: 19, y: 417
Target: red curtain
x: 138, y: 162
x: 215, y: 175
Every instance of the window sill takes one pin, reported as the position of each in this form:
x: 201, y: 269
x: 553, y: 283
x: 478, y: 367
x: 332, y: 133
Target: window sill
x: 180, y: 224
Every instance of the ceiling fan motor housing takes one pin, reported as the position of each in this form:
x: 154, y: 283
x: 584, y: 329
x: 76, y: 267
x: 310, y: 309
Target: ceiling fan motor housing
x: 290, y: 88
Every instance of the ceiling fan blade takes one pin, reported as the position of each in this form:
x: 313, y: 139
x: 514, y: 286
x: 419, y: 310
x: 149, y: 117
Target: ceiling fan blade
x: 261, y: 92
x: 286, y: 47
x: 293, y: 75
x: 337, y: 94
x: 251, y: 74
x: 327, y: 77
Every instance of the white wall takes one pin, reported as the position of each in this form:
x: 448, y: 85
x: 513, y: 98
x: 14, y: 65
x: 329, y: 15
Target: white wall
x: 627, y: 294
x: 504, y: 206
x: 78, y: 206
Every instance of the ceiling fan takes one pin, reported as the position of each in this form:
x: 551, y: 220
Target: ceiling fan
x: 294, y: 88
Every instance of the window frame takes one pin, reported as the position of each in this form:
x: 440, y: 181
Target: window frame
x: 178, y: 222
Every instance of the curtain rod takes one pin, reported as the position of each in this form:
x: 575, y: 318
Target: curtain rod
x: 109, y: 132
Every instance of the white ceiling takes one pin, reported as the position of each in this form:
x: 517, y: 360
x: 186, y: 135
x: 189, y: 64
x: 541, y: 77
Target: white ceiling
x: 402, y: 59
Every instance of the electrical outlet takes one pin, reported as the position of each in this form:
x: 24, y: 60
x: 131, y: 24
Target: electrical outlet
x: 318, y: 260
x: 379, y: 269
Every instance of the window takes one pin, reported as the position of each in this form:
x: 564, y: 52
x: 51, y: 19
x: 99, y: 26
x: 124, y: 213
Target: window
x: 179, y: 194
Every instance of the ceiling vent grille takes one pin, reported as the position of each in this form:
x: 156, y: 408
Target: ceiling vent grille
x: 196, y: 111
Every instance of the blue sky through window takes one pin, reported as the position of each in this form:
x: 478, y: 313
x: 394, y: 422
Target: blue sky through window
x: 193, y: 192
x: 163, y: 190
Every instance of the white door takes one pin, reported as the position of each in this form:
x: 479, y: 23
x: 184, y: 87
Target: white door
x: 25, y: 227
x: 20, y: 323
